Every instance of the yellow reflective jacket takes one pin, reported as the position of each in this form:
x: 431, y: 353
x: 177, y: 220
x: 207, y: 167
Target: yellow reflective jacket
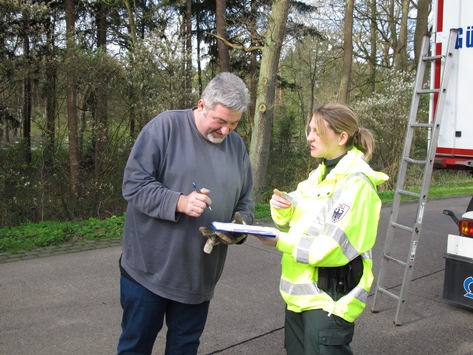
x: 330, y: 223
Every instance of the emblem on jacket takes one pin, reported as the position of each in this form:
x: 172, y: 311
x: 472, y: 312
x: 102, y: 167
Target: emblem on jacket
x: 339, y: 212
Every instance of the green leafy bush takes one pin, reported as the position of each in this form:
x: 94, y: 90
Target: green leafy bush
x: 34, y: 235
x: 445, y: 183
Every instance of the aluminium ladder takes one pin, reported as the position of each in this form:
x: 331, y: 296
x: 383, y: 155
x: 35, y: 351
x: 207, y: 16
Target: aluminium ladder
x: 410, y: 232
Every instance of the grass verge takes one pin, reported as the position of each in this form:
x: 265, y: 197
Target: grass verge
x: 34, y: 235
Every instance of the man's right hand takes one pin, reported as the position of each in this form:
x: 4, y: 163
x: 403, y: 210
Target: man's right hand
x: 194, y: 204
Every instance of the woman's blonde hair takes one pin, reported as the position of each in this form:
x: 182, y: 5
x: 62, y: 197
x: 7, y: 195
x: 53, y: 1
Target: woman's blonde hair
x: 341, y: 118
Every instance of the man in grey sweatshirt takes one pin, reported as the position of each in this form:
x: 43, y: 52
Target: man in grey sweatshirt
x: 186, y: 169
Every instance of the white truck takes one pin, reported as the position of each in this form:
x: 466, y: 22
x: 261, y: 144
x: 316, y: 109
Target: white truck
x: 455, y: 144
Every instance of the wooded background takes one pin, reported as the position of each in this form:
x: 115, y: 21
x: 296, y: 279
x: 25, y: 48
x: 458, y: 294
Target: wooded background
x: 80, y: 78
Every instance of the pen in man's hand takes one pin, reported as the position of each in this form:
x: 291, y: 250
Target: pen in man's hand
x: 196, y: 189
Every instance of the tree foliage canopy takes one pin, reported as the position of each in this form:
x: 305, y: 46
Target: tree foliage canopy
x: 130, y: 60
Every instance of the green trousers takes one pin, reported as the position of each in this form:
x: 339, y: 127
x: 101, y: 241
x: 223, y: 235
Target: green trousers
x: 315, y: 332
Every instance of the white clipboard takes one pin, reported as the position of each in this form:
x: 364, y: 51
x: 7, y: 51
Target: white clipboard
x: 243, y: 229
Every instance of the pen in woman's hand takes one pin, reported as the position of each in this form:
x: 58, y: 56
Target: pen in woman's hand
x: 196, y: 189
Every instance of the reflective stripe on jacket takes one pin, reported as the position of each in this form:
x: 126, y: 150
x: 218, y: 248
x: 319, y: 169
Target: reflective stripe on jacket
x: 330, y: 223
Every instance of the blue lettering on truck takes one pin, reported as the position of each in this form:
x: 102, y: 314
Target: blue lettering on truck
x: 468, y: 38
x: 468, y: 286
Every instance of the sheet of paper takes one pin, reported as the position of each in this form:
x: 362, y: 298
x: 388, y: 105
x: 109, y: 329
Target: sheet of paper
x: 242, y: 228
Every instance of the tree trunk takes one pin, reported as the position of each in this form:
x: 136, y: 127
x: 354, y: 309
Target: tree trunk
x: 373, y: 41
x: 253, y: 64
x: 26, y: 93
x: 423, y: 9
x: 261, y: 135
x: 101, y: 119
x: 51, y: 96
x: 51, y: 110
x: 71, y: 102
x: 199, y: 65
x: 313, y: 70
x: 400, y: 54
x: 221, y: 20
x: 131, y: 23
x: 133, y: 133
x: 188, y: 62
x: 26, y: 104
x: 347, y: 52
x: 133, y: 93
x: 392, y: 19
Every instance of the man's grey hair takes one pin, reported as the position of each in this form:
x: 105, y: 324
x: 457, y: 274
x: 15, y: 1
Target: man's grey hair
x: 228, y: 90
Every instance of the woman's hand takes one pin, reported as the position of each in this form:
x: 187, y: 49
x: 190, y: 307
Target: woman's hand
x: 269, y: 241
x: 278, y: 202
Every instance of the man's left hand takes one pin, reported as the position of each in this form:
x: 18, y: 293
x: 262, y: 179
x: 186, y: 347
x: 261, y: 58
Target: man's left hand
x: 216, y: 238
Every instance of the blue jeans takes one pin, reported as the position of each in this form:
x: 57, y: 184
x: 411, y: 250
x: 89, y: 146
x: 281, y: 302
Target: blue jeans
x: 143, y: 316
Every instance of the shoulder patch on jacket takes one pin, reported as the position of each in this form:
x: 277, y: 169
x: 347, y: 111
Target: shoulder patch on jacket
x: 339, y: 212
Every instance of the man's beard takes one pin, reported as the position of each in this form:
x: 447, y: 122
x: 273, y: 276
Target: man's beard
x: 214, y: 139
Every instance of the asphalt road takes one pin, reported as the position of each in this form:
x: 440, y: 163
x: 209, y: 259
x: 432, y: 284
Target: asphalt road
x: 69, y: 303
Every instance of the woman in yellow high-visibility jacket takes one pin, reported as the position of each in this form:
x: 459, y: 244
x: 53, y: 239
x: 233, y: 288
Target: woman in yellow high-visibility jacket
x: 326, y: 229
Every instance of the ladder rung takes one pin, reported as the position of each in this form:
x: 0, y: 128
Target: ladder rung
x: 427, y: 91
x: 408, y: 193
x: 423, y: 125
x: 390, y: 294
x: 433, y: 57
x: 397, y: 261
x: 414, y: 161
x: 401, y: 226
